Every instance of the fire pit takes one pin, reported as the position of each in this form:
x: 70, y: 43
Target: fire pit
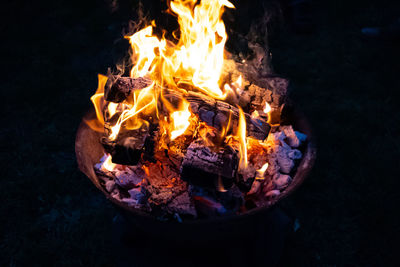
x: 193, y: 141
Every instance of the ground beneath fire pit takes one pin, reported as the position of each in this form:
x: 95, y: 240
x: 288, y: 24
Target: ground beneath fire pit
x: 348, y: 87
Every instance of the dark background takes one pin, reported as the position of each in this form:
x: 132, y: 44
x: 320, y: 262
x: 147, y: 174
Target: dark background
x: 51, y: 52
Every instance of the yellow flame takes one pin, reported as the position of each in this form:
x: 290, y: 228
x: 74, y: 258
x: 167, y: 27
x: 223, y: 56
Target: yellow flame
x: 202, y: 41
x: 112, y: 108
x: 255, y: 114
x: 98, y: 103
x: 108, y: 165
x: 261, y: 171
x: 180, y: 120
x: 194, y: 62
x: 267, y: 108
x: 198, y: 56
x: 144, y: 46
x: 242, y: 140
x: 142, y: 100
x: 226, y: 129
x: 239, y: 82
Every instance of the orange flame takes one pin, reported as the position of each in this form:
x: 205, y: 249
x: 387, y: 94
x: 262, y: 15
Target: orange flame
x: 260, y: 172
x: 242, y: 140
x: 267, y: 108
x: 108, y: 165
x: 142, y: 100
x: 194, y: 62
x: 98, y: 102
x: 144, y: 44
x: 180, y: 120
x: 198, y: 56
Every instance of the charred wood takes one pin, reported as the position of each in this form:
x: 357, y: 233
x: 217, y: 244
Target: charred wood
x: 118, y: 88
x: 271, y: 90
x: 209, y: 169
x: 218, y: 114
x: 127, y: 149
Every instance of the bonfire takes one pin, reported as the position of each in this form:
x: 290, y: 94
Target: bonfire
x: 191, y: 131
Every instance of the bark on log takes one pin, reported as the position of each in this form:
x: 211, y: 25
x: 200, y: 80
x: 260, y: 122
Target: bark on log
x: 127, y: 149
x: 216, y: 113
x: 118, y: 88
x: 206, y: 168
x: 272, y: 90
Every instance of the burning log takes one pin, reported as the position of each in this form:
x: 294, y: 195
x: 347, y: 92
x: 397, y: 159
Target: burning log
x: 118, y: 88
x: 274, y: 95
x: 206, y: 168
x: 218, y: 114
x: 127, y: 149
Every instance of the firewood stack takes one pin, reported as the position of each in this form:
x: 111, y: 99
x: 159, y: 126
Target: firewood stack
x: 196, y: 176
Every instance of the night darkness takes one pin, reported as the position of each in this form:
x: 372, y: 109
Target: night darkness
x: 346, y: 84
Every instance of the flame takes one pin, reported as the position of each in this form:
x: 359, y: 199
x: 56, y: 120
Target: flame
x: 180, y: 120
x: 142, y: 100
x: 197, y: 57
x: 98, y: 103
x: 144, y: 45
x: 242, y: 140
x: 267, y: 108
x: 108, y: 165
x: 225, y: 129
x: 193, y: 62
x: 112, y: 108
x: 255, y: 114
x: 261, y: 171
x: 239, y: 81
x: 202, y: 41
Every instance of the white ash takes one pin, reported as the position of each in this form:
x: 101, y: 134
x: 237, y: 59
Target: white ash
x: 248, y: 173
x: 255, y: 187
x: 126, y: 183
x: 293, y: 138
x: 136, y: 197
x: 124, y: 177
x: 115, y: 194
x: 283, y: 154
x: 110, y: 185
x: 273, y: 193
x: 137, y: 194
x: 281, y: 181
x: 129, y: 177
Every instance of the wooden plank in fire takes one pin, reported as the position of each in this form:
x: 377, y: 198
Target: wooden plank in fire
x: 118, y: 88
x: 218, y: 113
x: 204, y: 167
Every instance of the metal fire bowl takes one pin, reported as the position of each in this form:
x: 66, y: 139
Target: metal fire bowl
x: 89, y: 151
